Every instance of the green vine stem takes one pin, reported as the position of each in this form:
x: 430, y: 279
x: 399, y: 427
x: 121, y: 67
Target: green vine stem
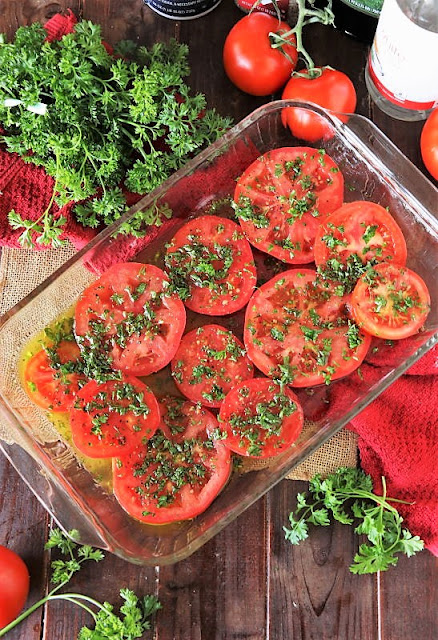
x: 307, y: 14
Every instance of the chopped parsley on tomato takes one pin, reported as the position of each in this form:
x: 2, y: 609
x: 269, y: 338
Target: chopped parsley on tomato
x: 209, y: 362
x: 283, y: 196
x: 297, y: 330
x: 259, y: 419
x: 354, y: 238
x: 178, y: 472
x: 111, y: 418
x: 211, y: 266
x: 391, y: 302
x: 128, y: 321
x: 51, y: 377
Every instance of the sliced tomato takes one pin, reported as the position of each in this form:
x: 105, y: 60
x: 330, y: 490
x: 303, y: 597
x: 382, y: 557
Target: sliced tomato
x: 50, y: 377
x: 260, y: 419
x: 364, y: 229
x: 283, y: 196
x: 297, y: 330
x: 210, y: 361
x: 390, y: 302
x: 131, y: 317
x: 112, y: 418
x: 211, y: 266
x: 179, y: 472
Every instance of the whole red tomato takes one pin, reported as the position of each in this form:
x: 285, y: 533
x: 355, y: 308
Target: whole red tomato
x: 332, y: 90
x: 429, y: 144
x: 250, y: 61
x: 14, y: 585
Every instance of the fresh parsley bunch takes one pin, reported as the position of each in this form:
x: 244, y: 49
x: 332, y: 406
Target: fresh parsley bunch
x: 135, y: 612
x: 348, y: 496
x: 95, y: 121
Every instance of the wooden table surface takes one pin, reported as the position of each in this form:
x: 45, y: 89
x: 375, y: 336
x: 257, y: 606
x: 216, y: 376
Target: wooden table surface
x: 246, y: 583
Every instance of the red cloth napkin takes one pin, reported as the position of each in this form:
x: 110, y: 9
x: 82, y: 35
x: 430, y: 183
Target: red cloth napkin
x: 399, y: 440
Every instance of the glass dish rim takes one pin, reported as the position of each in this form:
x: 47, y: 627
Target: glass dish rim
x: 322, y: 436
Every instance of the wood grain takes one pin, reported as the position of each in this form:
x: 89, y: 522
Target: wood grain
x: 219, y: 593
x: 312, y: 593
x: 23, y: 528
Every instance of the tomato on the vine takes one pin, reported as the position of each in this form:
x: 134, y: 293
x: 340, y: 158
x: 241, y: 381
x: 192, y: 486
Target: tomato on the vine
x: 332, y: 90
x: 14, y: 585
x: 250, y: 61
x: 429, y: 144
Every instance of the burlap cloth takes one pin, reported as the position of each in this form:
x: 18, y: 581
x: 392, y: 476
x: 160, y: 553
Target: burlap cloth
x: 22, y: 270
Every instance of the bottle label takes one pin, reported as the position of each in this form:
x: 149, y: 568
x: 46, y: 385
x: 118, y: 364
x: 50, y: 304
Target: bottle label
x: 370, y: 7
x: 403, y: 61
x: 181, y: 9
x: 266, y: 6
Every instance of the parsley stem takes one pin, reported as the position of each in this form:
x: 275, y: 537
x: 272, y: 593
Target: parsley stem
x: 34, y: 607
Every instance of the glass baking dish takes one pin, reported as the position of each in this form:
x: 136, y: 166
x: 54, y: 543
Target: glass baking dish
x: 373, y: 169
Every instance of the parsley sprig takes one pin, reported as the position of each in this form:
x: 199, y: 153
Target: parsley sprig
x: 348, y: 496
x: 134, y: 616
x: 96, y: 122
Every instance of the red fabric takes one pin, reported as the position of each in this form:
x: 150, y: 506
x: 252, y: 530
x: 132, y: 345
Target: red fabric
x: 59, y: 25
x: 399, y: 440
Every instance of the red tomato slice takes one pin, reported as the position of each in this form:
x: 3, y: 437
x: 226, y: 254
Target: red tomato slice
x: 47, y: 378
x: 210, y: 361
x: 112, y: 418
x: 260, y: 419
x: 179, y: 472
x: 128, y: 313
x: 283, y: 196
x: 211, y: 266
x: 390, y: 302
x: 297, y: 330
x: 363, y: 229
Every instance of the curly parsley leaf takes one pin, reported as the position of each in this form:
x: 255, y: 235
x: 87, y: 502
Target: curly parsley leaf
x: 95, y: 122
x: 130, y: 623
x: 347, y: 495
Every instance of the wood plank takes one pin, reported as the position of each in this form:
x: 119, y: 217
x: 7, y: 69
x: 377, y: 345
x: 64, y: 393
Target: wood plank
x: 16, y: 14
x: 23, y: 527
x: 209, y: 77
x: 101, y: 581
x: 312, y: 593
x: 135, y: 22
x: 219, y: 593
x: 409, y: 593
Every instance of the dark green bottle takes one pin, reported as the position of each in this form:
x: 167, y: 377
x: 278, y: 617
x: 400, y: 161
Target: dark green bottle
x: 358, y: 18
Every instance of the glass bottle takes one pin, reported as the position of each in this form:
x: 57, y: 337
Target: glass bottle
x: 402, y: 69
